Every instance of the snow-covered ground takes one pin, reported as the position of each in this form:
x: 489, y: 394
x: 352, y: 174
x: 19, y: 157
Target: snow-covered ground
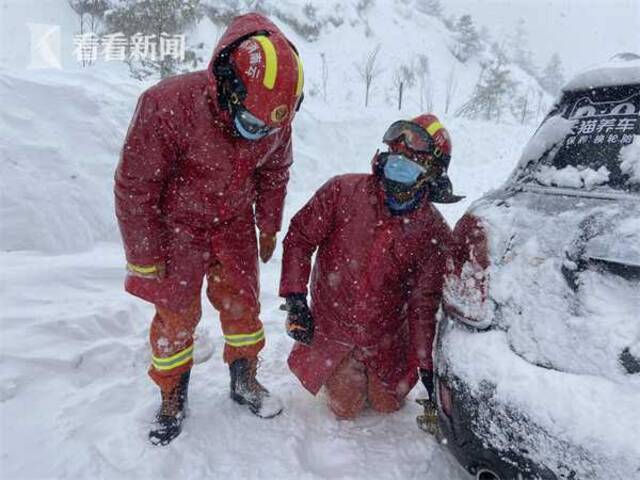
x: 75, y: 401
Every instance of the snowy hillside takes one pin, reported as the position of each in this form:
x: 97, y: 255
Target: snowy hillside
x: 345, y: 33
x: 75, y: 400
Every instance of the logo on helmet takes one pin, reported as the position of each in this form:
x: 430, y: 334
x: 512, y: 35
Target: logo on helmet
x: 279, y: 113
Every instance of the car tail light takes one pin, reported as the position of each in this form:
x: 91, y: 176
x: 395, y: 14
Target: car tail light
x: 465, y: 290
x: 444, y: 394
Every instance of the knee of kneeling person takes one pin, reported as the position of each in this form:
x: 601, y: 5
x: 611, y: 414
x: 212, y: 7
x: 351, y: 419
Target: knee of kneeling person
x: 345, y: 410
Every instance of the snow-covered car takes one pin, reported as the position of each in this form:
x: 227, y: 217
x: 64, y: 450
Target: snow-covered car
x: 538, y: 348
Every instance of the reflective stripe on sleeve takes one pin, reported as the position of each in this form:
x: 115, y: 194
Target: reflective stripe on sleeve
x: 144, y: 270
x: 244, y: 339
x: 174, y: 361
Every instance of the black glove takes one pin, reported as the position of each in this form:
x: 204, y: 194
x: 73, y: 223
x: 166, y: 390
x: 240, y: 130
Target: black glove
x: 299, y: 319
x: 426, y: 376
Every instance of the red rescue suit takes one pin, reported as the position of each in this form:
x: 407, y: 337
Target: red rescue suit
x: 188, y: 192
x: 375, y: 286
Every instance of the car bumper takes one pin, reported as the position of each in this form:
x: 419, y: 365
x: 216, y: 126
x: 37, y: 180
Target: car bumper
x: 486, y: 433
x: 459, y: 432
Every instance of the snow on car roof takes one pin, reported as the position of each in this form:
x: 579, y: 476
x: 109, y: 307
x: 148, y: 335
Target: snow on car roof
x: 622, y: 69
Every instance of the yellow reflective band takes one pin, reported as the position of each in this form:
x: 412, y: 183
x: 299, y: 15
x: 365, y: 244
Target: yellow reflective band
x: 244, y: 340
x: 177, y: 360
x: 300, y: 75
x: 433, y: 128
x: 142, y: 269
x: 271, y: 61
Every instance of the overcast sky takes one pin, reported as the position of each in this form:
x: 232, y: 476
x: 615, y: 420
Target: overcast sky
x: 583, y: 32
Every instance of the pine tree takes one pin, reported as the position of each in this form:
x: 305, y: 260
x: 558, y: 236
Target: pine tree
x: 157, y: 18
x: 552, y: 77
x: 492, y: 91
x: 467, y: 37
x: 519, y: 50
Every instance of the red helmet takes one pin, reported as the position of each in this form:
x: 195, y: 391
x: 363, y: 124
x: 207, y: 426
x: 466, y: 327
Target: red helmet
x: 439, y: 134
x: 423, y: 134
x: 272, y: 78
x: 429, y: 140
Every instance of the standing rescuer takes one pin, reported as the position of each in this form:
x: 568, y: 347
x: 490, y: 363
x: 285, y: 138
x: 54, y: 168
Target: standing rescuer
x: 377, y: 279
x: 205, y: 160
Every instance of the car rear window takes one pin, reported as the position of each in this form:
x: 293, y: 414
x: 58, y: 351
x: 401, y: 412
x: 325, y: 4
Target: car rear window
x: 591, y: 140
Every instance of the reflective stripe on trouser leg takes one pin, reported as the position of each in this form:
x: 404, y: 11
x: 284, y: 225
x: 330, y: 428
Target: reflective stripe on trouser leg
x: 169, y: 363
x: 243, y: 345
x: 245, y: 340
x: 171, y: 338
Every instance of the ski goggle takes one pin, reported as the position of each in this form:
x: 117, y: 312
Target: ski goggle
x: 251, y: 127
x: 414, y: 136
x: 401, y: 169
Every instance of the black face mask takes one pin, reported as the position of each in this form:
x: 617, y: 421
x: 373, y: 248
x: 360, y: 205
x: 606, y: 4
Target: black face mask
x: 400, y: 199
x: 397, y: 189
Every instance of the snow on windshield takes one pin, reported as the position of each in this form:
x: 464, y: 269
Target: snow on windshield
x: 572, y: 177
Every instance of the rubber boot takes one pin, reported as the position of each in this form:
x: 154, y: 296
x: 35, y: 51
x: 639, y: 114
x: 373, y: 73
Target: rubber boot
x: 168, y: 422
x: 246, y: 390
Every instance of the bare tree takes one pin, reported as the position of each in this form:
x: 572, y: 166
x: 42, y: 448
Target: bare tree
x: 521, y: 107
x: 452, y: 87
x: 539, y: 111
x: 424, y: 83
x: 404, y: 77
x: 156, y: 17
x: 525, y: 108
x: 368, y: 70
x: 78, y: 6
x: 325, y: 76
x: 90, y: 13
